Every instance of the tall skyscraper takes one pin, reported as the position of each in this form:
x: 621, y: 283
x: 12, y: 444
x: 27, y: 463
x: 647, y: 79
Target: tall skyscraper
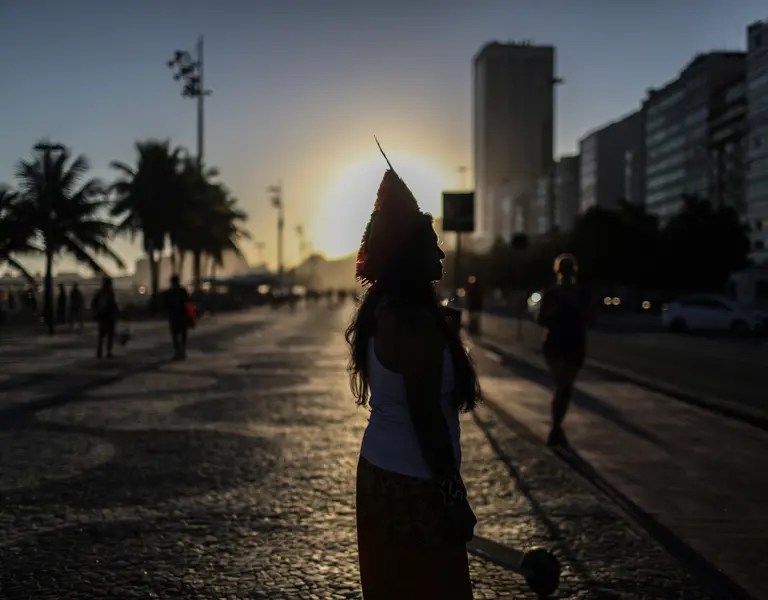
x: 757, y: 149
x: 513, y: 127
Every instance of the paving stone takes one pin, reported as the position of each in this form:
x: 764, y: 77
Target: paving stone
x: 231, y: 475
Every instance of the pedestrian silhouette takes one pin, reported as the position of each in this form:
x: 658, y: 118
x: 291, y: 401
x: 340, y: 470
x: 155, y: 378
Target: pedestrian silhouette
x: 179, y: 317
x: 474, y: 304
x: 408, y: 360
x: 106, y: 311
x: 76, y: 307
x: 564, y: 314
x: 61, y: 305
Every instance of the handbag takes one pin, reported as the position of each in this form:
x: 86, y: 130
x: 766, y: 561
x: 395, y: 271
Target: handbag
x: 190, y: 314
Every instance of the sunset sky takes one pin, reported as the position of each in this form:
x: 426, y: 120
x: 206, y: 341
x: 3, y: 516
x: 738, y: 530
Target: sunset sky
x: 301, y: 86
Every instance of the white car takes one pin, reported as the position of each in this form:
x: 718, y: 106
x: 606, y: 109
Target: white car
x: 710, y: 312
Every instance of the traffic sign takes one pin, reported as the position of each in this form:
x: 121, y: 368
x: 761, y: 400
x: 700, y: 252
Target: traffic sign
x: 459, y: 211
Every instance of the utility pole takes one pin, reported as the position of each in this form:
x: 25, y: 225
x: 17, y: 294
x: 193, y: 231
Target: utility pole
x: 279, y: 204
x: 457, y: 283
x: 190, y: 71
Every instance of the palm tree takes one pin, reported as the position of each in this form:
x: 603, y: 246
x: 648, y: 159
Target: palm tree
x: 16, y: 234
x: 209, y: 226
x: 224, y: 232
x: 194, y: 222
x: 149, y: 198
x: 65, y: 212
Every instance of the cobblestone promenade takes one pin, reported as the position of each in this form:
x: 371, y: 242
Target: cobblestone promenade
x: 231, y: 475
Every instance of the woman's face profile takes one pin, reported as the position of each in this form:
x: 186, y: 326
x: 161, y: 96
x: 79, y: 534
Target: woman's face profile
x: 431, y: 254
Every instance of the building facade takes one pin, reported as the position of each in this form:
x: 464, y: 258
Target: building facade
x: 677, y: 148
x: 557, y: 197
x: 727, y: 146
x: 603, y: 161
x: 567, y: 190
x: 544, y: 207
x: 513, y: 130
x: 756, y: 194
x: 634, y: 174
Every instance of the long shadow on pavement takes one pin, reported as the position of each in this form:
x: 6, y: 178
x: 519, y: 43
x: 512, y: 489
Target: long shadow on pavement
x: 541, y: 377
x: 212, y: 341
x: 692, y: 561
x: 540, y: 513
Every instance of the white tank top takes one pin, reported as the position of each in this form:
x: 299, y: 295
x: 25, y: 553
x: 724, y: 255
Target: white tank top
x: 390, y: 440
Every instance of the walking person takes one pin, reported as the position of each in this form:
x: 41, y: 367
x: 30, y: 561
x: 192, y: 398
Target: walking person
x: 61, y: 305
x: 564, y: 314
x: 104, y: 306
x: 176, y: 309
x: 76, y: 307
x: 409, y: 367
x: 474, y: 304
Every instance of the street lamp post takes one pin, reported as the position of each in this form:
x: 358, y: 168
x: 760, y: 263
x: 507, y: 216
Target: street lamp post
x: 457, y: 282
x: 259, y: 248
x: 277, y: 202
x: 462, y: 170
x: 302, y: 242
x: 190, y: 71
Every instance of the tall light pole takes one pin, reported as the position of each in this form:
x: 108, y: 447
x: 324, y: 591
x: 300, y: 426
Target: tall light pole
x: 302, y: 241
x: 190, y: 71
x: 457, y: 283
x: 462, y: 171
x: 259, y: 248
x: 277, y: 202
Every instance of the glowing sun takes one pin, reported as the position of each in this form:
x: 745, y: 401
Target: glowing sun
x: 349, y: 200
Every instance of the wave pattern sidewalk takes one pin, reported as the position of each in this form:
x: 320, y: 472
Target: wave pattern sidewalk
x: 231, y: 475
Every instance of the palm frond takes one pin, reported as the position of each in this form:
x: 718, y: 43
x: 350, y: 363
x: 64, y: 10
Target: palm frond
x: 82, y: 255
x: 124, y: 168
x: 15, y: 264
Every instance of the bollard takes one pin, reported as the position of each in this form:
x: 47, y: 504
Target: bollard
x: 538, y: 566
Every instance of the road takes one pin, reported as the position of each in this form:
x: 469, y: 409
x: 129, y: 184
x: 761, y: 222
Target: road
x: 231, y: 475
x: 696, y: 473
x: 729, y: 369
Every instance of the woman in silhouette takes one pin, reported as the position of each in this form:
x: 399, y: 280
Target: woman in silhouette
x: 409, y: 367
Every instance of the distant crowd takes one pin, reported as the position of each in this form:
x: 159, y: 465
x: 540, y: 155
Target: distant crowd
x: 69, y: 303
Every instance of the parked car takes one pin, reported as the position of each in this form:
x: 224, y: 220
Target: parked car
x: 710, y: 312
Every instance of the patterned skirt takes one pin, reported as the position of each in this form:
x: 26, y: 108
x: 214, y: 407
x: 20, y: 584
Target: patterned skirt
x: 404, y: 542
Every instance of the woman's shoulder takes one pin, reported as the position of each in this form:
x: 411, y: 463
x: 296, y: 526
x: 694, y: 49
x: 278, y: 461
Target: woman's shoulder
x: 403, y: 316
x: 408, y: 332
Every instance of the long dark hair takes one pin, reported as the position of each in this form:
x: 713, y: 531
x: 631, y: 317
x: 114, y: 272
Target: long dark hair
x: 362, y: 327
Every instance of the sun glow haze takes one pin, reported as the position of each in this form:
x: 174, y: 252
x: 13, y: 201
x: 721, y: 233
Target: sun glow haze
x: 349, y: 200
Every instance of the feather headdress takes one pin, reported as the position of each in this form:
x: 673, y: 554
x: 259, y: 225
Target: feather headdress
x: 394, y: 216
